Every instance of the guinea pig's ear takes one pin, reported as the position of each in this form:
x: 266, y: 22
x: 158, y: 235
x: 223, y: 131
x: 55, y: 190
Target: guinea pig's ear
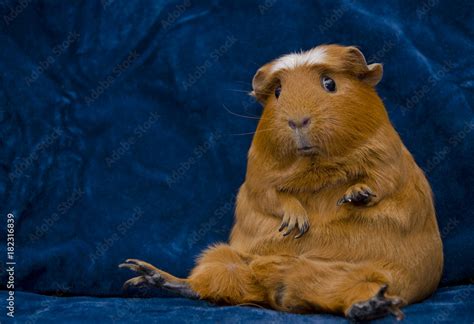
x: 374, y: 74
x: 262, y: 82
x: 371, y: 74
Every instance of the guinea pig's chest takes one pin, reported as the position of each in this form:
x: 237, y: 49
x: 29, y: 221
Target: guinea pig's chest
x: 318, y: 188
x: 307, y: 179
x: 321, y: 205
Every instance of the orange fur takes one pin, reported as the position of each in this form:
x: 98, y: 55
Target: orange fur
x: 351, y: 250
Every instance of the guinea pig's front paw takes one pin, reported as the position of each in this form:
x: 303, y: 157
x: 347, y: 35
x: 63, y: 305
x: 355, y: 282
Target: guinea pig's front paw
x: 295, y: 219
x: 359, y: 194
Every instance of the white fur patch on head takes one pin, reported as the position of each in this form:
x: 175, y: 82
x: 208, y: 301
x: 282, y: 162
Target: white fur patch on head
x: 291, y: 61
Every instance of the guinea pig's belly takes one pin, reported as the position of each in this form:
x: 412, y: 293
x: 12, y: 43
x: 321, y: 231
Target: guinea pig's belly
x: 328, y: 240
x: 259, y: 235
x: 272, y: 244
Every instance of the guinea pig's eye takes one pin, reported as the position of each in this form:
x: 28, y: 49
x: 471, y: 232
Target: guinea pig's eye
x: 328, y: 84
x: 277, y: 91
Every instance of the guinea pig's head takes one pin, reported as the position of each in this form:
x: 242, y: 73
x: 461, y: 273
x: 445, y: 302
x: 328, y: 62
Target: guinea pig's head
x: 319, y: 102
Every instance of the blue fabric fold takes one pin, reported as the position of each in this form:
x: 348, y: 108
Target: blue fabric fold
x: 448, y: 305
x: 117, y: 140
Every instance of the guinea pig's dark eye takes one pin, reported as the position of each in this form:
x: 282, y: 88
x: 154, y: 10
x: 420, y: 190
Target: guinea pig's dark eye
x: 277, y: 91
x: 328, y: 84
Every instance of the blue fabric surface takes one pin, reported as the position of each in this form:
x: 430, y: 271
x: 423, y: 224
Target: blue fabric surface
x: 448, y: 305
x: 116, y: 142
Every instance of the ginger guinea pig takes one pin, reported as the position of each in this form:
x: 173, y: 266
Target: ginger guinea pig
x: 334, y: 214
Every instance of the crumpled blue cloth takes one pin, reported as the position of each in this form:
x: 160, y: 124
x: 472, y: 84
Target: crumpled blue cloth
x: 448, y: 305
x: 119, y: 137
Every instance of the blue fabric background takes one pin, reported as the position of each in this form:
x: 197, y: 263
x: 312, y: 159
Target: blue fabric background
x: 116, y: 139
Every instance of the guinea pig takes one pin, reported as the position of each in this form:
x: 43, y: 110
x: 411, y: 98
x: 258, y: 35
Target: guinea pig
x: 334, y: 214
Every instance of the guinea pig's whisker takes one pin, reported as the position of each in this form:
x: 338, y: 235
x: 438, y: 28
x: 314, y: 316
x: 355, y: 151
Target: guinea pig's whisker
x: 251, y: 133
x: 248, y: 92
x: 238, y: 90
x: 239, y: 115
x: 245, y: 82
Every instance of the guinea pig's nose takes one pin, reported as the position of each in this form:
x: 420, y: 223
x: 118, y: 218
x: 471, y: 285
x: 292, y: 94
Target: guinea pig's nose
x: 302, y: 123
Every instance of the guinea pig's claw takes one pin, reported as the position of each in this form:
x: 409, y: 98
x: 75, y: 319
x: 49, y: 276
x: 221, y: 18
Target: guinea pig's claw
x: 303, y: 229
x: 289, y: 229
x: 343, y: 200
x: 282, y: 226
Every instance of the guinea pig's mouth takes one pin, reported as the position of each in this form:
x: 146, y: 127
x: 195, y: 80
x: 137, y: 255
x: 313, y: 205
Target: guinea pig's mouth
x: 307, y: 150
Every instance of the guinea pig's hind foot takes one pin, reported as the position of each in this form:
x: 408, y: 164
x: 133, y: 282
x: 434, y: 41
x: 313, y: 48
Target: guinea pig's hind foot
x: 151, y: 276
x: 375, y: 307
